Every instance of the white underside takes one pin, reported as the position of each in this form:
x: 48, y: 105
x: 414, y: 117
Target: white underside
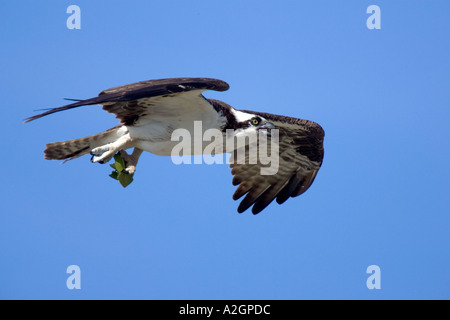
x: 157, y: 139
x: 153, y: 132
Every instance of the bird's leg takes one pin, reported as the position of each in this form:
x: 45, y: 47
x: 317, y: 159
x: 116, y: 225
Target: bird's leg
x: 104, y: 153
x: 130, y: 160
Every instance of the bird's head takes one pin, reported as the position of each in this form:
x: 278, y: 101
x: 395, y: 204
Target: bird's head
x: 248, y: 124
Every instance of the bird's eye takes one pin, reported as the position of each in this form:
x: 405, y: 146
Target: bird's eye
x: 255, y: 121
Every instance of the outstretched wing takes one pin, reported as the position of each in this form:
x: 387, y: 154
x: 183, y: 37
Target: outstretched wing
x: 132, y: 101
x: 300, y: 157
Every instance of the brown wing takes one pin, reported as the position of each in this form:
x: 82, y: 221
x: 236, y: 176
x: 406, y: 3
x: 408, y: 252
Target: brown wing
x: 300, y: 157
x: 125, y: 101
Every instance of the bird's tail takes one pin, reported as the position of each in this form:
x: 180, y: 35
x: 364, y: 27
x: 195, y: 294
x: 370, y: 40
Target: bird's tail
x: 72, y: 149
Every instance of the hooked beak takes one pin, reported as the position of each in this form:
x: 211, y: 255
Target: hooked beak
x: 266, y: 127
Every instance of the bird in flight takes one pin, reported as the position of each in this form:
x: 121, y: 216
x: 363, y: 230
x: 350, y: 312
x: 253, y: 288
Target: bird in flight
x: 151, y: 111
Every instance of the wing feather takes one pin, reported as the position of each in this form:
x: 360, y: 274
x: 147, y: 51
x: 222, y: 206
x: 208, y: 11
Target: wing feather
x: 288, y: 190
x: 253, y: 195
x: 268, y: 196
x: 124, y: 101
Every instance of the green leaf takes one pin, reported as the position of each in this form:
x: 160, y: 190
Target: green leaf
x: 114, y: 175
x: 120, y: 163
x: 125, y: 179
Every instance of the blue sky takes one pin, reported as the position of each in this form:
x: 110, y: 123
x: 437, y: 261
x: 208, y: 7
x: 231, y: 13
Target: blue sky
x: 381, y: 197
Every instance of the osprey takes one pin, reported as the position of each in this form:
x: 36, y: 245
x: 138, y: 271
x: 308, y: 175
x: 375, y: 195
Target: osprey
x: 150, y: 111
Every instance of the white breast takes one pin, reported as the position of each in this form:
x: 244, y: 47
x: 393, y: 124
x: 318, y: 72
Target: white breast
x: 153, y: 131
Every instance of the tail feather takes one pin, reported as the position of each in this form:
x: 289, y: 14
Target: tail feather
x: 71, y: 149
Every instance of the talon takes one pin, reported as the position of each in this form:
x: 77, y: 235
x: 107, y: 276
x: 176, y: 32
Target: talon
x: 129, y: 170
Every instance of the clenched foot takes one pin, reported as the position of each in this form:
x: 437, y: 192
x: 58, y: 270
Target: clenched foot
x: 102, y: 154
x: 130, y: 160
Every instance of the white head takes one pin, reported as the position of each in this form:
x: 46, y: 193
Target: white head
x: 247, y: 124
